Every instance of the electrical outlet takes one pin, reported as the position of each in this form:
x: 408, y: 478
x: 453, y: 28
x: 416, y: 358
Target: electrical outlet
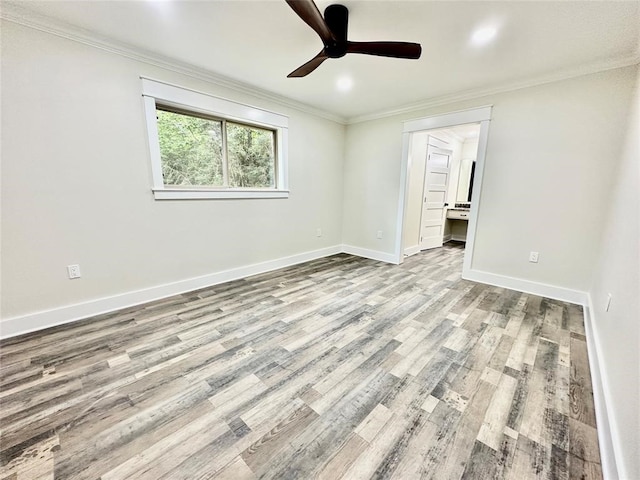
x: 608, y: 303
x: 533, y: 257
x: 379, y: 235
x: 73, y: 271
x: 318, y: 232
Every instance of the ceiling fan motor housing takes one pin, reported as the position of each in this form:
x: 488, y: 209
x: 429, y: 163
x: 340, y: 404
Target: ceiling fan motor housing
x: 337, y: 19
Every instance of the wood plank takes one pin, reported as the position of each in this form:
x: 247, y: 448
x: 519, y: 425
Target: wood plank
x: 259, y: 453
x: 584, y: 470
x: 364, y: 467
x: 541, y: 394
x: 583, y: 441
x: 482, y: 464
x: 373, y: 423
x: 37, y: 461
x: 452, y: 465
x: 495, y: 418
x: 236, y: 470
x: 580, y: 391
x: 344, y: 458
x: 164, y: 455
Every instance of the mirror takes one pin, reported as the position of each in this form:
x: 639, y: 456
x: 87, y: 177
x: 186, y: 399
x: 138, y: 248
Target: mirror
x: 465, y: 180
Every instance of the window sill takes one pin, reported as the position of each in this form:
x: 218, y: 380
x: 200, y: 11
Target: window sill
x: 194, y: 194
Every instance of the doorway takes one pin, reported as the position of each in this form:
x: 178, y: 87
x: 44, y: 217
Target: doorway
x: 441, y: 196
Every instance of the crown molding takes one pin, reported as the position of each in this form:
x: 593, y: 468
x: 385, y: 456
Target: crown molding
x: 589, y: 69
x: 11, y: 12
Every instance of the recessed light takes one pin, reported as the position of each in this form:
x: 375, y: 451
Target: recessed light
x: 344, y: 84
x: 482, y: 36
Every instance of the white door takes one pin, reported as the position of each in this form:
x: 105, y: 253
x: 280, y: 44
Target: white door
x: 434, y: 198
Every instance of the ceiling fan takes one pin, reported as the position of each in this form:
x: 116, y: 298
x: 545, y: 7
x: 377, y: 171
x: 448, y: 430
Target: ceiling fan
x: 332, y: 30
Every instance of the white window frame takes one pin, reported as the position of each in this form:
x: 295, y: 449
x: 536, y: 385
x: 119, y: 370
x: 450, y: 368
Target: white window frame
x: 188, y: 100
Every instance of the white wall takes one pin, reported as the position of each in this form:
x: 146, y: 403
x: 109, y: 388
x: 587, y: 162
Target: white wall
x: 470, y: 148
x: 618, y: 273
x: 371, y: 178
x: 76, y: 183
x: 546, y: 177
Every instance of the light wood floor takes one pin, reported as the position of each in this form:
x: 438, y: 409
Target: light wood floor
x: 337, y: 368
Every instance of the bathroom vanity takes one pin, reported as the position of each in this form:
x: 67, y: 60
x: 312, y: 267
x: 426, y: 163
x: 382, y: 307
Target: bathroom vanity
x: 458, y: 219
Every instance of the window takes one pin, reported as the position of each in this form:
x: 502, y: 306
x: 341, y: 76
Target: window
x: 206, y: 147
x: 197, y: 151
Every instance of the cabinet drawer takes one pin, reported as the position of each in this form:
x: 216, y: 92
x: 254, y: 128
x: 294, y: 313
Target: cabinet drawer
x: 458, y: 214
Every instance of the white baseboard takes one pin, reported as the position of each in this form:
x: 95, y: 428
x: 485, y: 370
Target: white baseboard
x: 14, y: 326
x: 372, y: 254
x: 608, y: 432
x: 446, y: 238
x: 11, y: 327
x: 411, y: 250
x: 527, y: 286
x: 459, y: 238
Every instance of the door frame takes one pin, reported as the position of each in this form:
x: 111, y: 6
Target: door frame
x: 480, y: 115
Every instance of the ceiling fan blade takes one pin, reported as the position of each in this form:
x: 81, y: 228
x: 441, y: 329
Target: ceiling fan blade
x: 309, y: 67
x: 386, y: 49
x: 310, y: 14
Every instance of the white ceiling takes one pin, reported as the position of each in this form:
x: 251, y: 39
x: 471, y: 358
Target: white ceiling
x: 463, y: 132
x: 260, y: 42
